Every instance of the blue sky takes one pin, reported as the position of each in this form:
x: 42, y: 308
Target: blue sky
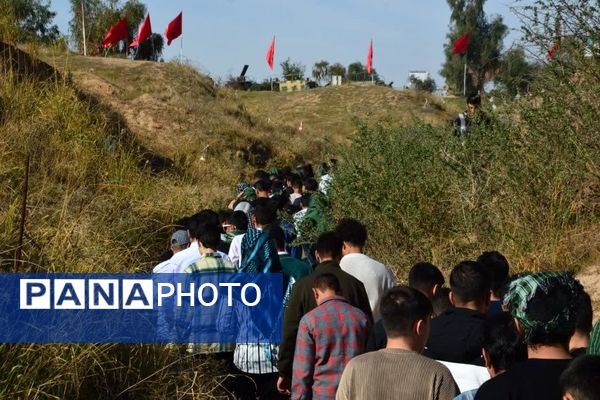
x: 220, y: 36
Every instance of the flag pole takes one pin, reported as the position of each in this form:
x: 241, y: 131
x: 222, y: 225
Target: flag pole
x: 83, y: 28
x: 465, y: 76
x: 181, y: 49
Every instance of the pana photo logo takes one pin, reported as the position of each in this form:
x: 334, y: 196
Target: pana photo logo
x: 134, y: 294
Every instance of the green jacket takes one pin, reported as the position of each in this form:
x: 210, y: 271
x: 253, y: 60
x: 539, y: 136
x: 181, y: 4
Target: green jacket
x: 302, y: 301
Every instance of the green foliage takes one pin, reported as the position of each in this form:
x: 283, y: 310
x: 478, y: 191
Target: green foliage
x: 427, y: 85
x: 292, y: 70
x: 32, y: 20
x: 485, y: 45
x: 100, y: 15
x: 526, y: 186
x: 516, y: 74
x: 150, y: 49
x: 337, y: 69
x: 357, y: 72
x: 321, y: 71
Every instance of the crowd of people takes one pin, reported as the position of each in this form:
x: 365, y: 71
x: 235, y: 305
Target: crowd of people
x: 351, y: 331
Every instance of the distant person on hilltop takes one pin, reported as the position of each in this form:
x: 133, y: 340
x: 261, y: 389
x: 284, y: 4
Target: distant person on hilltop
x: 473, y: 116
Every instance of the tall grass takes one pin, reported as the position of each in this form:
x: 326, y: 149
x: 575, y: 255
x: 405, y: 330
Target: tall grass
x: 529, y: 185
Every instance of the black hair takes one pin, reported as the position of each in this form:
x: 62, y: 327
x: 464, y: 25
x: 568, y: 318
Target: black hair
x: 329, y: 244
x: 585, y: 314
x: 224, y: 216
x: 279, y: 202
x: 497, y: 266
x: 260, y: 174
x: 544, y: 306
x: 502, y: 342
x: 470, y: 281
x: 210, y: 237
x: 582, y: 378
x: 440, y: 301
x: 264, y: 214
x: 474, y: 99
x: 327, y: 281
x: 352, y: 231
x: 199, y: 221
x: 276, y: 234
x: 311, y: 184
x: 296, y: 184
x: 239, y: 220
x: 424, y: 276
x: 305, y: 199
x: 324, y: 168
x: 181, y: 224
x: 306, y: 171
x: 277, y: 186
x: 401, y: 307
x: 263, y: 185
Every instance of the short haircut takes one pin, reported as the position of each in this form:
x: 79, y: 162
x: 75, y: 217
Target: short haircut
x: 474, y: 99
x: 239, y: 220
x: 260, y: 174
x: 311, y: 185
x: 263, y: 185
x: 401, y: 307
x: 423, y: 276
x: 276, y: 234
x: 264, y: 214
x: 199, y: 221
x: 469, y: 281
x: 210, y: 237
x: 585, y: 314
x: 305, y: 199
x: 329, y: 245
x: 352, y: 231
x: 497, y: 266
x: 327, y: 281
x: 582, y: 378
x: 502, y: 342
x: 441, y: 301
x: 297, y: 184
x: 181, y: 224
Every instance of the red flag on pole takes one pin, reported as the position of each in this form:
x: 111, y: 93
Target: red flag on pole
x: 174, y: 29
x: 271, y: 54
x: 551, y: 51
x: 461, y: 44
x: 116, y: 33
x: 370, y: 58
x: 143, y: 33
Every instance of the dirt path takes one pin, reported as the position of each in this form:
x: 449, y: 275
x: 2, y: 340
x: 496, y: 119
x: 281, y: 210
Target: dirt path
x: 590, y: 279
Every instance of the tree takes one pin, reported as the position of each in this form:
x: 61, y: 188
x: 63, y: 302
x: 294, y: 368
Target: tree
x: 100, y: 15
x: 150, y: 49
x: 321, y: 71
x: 485, y: 45
x: 357, y: 72
x: 515, y: 73
x: 32, y: 20
x: 337, y: 69
x: 292, y: 70
x: 427, y: 85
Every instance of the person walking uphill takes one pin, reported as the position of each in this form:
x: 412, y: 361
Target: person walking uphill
x: 302, y: 300
x: 373, y: 274
x: 328, y: 338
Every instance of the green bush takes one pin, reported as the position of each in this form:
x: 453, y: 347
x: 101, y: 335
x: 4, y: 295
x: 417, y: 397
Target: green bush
x: 426, y: 194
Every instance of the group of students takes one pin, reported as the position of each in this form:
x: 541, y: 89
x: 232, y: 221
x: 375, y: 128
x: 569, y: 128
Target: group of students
x: 351, y: 332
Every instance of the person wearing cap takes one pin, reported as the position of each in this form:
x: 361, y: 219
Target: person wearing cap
x: 180, y: 240
x: 544, y: 306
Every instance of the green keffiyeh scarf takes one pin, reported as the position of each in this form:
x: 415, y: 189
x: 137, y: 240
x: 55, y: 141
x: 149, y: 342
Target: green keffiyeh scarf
x: 594, y: 347
x: 523, y: 289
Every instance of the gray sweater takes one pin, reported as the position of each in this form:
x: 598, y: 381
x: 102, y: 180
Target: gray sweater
x: 396, y: 374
